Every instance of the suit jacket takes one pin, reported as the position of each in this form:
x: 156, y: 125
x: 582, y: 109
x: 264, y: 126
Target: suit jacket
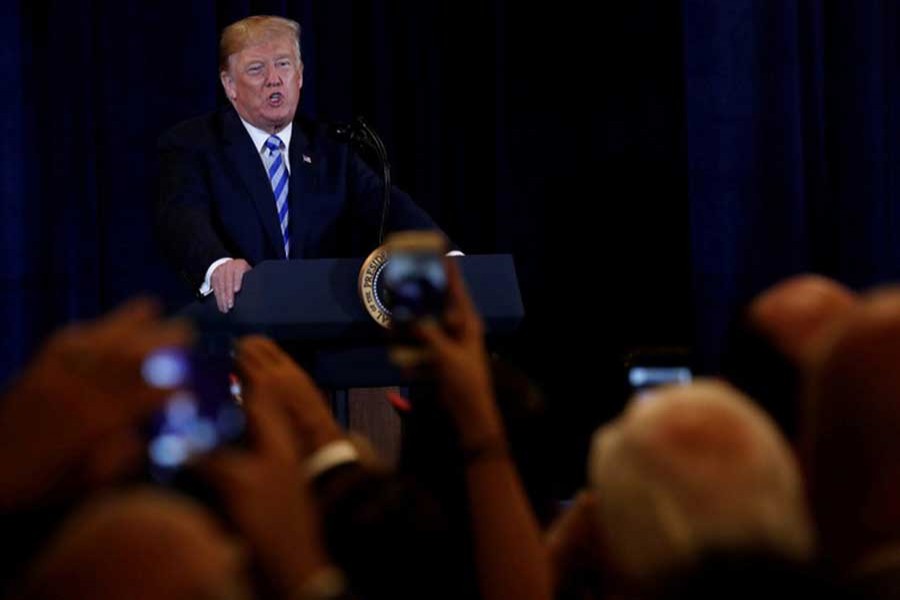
x: 215, y: 198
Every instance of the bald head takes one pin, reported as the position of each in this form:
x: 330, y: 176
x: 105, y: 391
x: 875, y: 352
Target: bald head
x: 851, y: 439
x: 795, y: 313
x: 694, y: 469
x: 143, y: 544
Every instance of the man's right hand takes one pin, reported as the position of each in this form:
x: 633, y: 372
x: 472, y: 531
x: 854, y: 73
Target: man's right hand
x: 226, y: 282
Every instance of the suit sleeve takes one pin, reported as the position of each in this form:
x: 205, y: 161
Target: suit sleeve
x: 367, y: 189
x: 184, y: 213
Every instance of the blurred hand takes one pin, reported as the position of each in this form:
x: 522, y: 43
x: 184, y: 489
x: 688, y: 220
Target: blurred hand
x: 82, y: 390
x: 265, y: 493
x: 572, y: 539
x: 226, y: 281
x: 459, y: 361
x: 271, y: 375
x: 509, y: 554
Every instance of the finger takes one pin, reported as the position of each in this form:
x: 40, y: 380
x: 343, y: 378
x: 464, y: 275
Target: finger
x: 220, y: 284
x: 271, y: 430
x: 115, y: 407
x: 118, y: 366
x: 220, y: 298
x: 118, y: 357
x: 168, y: 334
x: 250, y: 358
x: 454, y: 321
x: 457, y: 309
x: 227, y: 297
x: 434, y: 338
x: 251, y: 369
x: 122, y: 365
x: 226, y: 470
x: 228, y: 286
x: 238, y: 278
x: 232, y: 271
x: 126, y: 317
x: 255, y: 357
x: 266, y: 349
x: 136, y: 310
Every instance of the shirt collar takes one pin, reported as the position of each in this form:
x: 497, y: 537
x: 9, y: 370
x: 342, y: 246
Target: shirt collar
x: 259, y: 136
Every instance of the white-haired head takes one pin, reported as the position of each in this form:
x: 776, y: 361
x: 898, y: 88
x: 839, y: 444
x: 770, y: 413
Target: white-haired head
x: 695, y: 469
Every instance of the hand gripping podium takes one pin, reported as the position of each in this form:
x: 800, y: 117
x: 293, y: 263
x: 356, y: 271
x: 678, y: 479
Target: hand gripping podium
x: 315, y: 304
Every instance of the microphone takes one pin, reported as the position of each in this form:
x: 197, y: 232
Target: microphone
x: 360, y: 134
x: 343, y: 132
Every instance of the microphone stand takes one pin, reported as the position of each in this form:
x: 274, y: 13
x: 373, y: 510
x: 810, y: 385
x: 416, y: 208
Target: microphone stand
x: 376, y: 143
x: 361, y: 133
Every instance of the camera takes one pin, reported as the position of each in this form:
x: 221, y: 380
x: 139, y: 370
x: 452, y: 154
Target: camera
x: 415, y: 288
x: 415, y: 281
x: 202, y: 411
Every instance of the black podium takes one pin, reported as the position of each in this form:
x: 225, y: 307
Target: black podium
x: 316, y: 303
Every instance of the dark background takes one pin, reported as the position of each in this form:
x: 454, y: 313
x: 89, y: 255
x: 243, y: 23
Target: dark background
x: 649, y: 164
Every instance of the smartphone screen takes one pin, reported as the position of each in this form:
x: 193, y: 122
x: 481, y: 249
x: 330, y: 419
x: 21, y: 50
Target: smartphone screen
x: 644, y: 377
x: 415, y: 285
x: 415, y: 282
x: 650, y: 367
x: 415, y: 288
x: 202, y: 411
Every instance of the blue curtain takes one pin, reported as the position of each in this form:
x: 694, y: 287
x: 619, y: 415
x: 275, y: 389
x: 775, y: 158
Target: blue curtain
x: 792, y: 137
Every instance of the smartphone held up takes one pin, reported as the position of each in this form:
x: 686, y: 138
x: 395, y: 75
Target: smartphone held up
x: 415, y: 288
x: 202, y: 411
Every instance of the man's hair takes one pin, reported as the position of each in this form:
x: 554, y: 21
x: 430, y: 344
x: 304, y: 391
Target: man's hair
x: 691, y: 470
x: 254, y: 30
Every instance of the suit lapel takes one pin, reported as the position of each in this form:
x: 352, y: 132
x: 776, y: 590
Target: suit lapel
x: 303, y: 189
x: 242, y: 154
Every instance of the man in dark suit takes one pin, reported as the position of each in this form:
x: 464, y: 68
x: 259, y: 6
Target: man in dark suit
x: 255, y: 182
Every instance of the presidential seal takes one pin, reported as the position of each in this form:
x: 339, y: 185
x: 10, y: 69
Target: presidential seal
x: 371, y: 286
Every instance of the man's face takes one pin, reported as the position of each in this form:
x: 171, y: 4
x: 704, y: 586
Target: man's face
x: 263, y: 83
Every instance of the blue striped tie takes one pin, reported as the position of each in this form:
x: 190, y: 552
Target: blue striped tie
x: 278, y: 176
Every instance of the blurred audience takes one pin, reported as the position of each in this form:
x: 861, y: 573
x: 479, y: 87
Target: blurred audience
x: 388, y: 535
x: 433, y: 457
x: 71, y: 416
x: 266, y: 499
x: 852, y: 446
x: 167, y: 549
x: 509, y: 555
x: 692, y: 491
x: 795, y: 313
x: 141, y: 544
x: 69, y: 423
x: 776, y: 337
x: 684, y: 472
